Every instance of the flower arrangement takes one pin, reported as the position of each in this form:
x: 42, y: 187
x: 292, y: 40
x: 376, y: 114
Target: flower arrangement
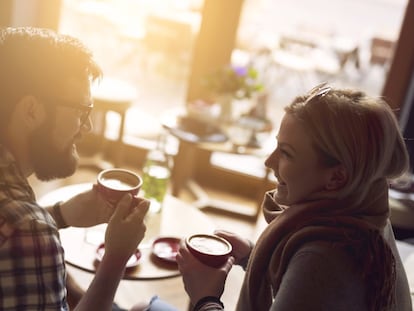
x: 238, y: 82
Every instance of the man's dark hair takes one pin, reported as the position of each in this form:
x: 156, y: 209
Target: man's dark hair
x: 38, y: 62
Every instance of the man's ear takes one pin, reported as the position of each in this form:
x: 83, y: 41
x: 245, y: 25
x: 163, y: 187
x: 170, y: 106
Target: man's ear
x: 338, y: 178
x: 31, y: 111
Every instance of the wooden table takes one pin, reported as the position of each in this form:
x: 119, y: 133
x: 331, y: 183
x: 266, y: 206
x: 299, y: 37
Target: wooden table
x: 177, y: 219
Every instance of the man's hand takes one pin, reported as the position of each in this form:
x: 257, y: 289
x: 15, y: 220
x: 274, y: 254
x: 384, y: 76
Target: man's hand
x: 88, y: 209
x: 126, y: 228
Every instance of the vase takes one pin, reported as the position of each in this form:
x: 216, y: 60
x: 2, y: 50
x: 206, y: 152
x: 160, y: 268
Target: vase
x: 226, y: 108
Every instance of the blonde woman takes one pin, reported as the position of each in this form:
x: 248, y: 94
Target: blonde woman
x: 328, y: 244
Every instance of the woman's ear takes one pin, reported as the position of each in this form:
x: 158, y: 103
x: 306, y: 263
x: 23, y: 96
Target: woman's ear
x: 338, y: 178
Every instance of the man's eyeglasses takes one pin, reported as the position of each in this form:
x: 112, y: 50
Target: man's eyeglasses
x: 84, y: 110
x: 318, y: 91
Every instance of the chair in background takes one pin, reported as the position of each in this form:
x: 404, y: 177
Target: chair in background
x: 382, y: 51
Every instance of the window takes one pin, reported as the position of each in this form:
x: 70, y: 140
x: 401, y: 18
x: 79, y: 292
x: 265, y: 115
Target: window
x: 295, y: 44
x: 146, y: 43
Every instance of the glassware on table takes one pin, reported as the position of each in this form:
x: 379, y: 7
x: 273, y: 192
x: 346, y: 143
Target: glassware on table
x: 239, y: 135
x: 156, y: 176
x: 95, y: 235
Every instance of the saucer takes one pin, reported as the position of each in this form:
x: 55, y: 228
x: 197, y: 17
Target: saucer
x: 166, y: 248
x: 132, y: 261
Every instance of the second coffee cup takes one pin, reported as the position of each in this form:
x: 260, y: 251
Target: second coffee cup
x: 210, y: 249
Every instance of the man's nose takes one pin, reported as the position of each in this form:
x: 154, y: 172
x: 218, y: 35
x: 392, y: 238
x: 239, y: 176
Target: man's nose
x: 87, y: 126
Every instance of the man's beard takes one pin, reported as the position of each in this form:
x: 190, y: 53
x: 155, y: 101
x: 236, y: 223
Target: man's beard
x: 48, y: 162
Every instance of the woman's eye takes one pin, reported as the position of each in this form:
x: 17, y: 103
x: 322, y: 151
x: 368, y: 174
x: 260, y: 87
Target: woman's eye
x: 285, y: 153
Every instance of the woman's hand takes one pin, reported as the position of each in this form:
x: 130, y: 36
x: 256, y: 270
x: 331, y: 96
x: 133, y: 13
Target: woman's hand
x: 126, y: 228
x: 199, y: 279
x: 241, y: 246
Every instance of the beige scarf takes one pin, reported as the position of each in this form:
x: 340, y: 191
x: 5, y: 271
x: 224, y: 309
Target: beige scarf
x: 355, y: 227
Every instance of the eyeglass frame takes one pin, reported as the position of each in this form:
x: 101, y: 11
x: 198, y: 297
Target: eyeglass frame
x: 85, y: 110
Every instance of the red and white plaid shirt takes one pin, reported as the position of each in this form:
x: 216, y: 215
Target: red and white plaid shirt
x: 32, y: 267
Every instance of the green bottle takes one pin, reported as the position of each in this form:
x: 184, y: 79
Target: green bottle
x: 156, y: 176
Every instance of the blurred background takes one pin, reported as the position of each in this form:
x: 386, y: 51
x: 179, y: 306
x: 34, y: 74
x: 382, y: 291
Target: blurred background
x: 293, y: 44
x: 150, y: 44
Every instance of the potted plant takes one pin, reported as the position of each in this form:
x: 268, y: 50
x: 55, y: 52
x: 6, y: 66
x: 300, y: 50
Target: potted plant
x: 231, y: 83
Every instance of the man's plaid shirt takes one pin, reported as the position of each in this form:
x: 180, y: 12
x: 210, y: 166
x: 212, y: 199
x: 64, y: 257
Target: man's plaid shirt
x: 32, y: 267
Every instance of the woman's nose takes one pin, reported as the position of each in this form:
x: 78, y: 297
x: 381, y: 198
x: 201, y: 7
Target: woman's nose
x: 271, y: 161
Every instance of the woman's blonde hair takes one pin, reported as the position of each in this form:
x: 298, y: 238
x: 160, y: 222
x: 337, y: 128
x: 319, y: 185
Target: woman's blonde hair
x: 360, y: 132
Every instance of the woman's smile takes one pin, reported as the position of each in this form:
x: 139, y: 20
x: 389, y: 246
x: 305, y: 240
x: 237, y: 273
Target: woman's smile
x: 296, y: 164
